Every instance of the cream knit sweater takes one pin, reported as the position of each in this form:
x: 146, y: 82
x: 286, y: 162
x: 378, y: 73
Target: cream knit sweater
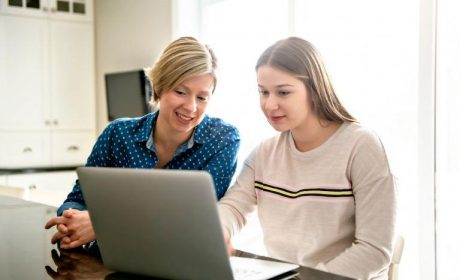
x: 332, y: 208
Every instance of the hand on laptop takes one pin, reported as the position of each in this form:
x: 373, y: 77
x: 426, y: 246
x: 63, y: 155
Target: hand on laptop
x: 74, y: 229
x: 230, y: 250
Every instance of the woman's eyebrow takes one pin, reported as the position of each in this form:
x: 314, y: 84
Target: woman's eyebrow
x: 184, y: 87
x: 284, y: 85
x: 277, y: 86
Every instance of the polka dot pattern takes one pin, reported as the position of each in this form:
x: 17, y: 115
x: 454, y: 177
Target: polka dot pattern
x: 128, y: 143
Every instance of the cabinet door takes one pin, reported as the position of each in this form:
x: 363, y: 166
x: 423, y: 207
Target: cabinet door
x: 71, y: 148
x: 36, y: 8
x: 23, y: 73
x: 49, y: 188
x: 24, y: 150
x: 72, y: 75
x: 75, y: 10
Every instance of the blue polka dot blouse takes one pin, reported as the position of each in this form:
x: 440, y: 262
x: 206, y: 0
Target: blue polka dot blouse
x: 128, y: 143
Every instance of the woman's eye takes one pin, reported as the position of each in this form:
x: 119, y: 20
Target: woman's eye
x: 179, y: 92
x: 203, y: 98
x: 284, y: 93
x: 263, y: 92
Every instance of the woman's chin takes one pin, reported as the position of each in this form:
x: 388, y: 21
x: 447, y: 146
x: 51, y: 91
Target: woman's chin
x: 279, y: 128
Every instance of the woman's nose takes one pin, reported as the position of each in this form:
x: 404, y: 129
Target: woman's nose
x: 190, y: 104
x: 270, y: 102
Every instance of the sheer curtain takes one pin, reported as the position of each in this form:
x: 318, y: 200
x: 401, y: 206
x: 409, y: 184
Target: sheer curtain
x: 448, y: 139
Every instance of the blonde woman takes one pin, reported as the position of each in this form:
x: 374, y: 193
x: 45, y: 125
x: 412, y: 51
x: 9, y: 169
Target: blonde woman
x: 323, y: 187
x: 178, y: 136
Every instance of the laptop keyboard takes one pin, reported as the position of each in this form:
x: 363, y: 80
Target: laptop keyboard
x: 257, y: 269
x: 244, y: 273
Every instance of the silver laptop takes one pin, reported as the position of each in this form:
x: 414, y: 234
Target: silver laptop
x: 164, y: 223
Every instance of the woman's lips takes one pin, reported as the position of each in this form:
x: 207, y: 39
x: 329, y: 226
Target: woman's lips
x: 184, y: 117
x: 276, y: 118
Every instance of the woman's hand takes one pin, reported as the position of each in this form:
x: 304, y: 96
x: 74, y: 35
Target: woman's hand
x: 230, y: 250
x: 74, y: 229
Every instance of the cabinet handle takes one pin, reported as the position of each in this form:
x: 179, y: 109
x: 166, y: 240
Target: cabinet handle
x: 27, y: 150
x: 45, y: 9
x: 72, y: 148
x: 53, y: 10
x: 55, y: 122
x: 47, y: 122
x: 32, y: 187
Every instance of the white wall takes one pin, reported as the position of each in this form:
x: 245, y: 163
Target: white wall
x: 129, y: 35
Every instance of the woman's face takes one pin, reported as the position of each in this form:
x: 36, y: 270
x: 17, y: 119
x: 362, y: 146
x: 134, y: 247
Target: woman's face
x: 283, y: 99
x: 183, y: 107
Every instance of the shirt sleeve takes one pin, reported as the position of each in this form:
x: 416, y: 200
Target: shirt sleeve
x: 240, y: 200
x: 100, y: 156
x: 375, y: 207
x: 222, y: 164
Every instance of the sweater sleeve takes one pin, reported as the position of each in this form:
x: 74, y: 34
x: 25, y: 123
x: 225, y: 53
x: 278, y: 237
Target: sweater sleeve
x: 375, y: 206
x: 240, y: 199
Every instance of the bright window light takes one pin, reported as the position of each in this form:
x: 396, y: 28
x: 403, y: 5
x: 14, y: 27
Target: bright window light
x: 448, y: 139
x: 239, y: 31
x: 371, y: 50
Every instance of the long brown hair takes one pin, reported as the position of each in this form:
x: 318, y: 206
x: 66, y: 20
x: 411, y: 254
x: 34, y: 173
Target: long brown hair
x: 299, y: 57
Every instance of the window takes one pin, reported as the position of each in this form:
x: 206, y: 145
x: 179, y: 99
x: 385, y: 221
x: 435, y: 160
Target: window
x: 238, y: 32
x: 447, y: 140
x: 376, y: 54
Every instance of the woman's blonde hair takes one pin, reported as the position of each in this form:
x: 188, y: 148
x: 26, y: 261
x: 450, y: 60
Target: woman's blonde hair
x: 302, y: 59
x: 183, y: 58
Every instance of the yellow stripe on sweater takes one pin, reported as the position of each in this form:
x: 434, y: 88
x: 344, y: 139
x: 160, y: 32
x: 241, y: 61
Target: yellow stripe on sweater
x: 305, y: 192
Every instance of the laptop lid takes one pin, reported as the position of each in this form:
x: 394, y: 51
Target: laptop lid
x: 157, y: 222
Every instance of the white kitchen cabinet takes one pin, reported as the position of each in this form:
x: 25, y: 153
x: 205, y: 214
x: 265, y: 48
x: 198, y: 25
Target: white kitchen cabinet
x: 2, y: 180
x: 49, y: 188
x: 24, y: 149
x: 44, y: 149
x: 72, y: 83
x: 47, y: 86
x: 24, y: 74
x: 77, y: 10
x: 70, y: 148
